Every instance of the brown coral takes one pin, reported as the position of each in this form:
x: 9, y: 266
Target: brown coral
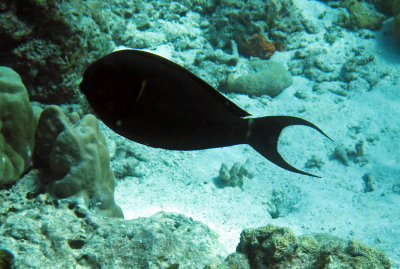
x: 78, y: 160
x: 258, y: 46
x: 277, y: 247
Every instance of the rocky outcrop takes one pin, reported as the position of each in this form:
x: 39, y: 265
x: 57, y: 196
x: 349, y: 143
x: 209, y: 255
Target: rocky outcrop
x: 17, y: 127
x: 42, y: 232
x: 77, y: 160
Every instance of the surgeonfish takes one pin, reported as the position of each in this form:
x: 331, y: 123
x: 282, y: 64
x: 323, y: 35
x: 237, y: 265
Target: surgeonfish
x: 154, y: 101
x: 6, y: 259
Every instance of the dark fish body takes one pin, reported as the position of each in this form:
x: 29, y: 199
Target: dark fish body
x: 6, y: 259
x: 156, y: 102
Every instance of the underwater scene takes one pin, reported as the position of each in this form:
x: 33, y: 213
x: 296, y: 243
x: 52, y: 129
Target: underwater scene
x: 210, y: 134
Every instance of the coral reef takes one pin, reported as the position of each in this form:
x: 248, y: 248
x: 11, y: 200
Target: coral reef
x: 284, y: 200
x: 396, y: 24
x: 396, y: 7
x: 384, y: 6
x: 232, y: 177
x: 358, y: 71
x: 276, y: 247
x: 396, y: 188
x: 346, y: 155
x: 50, y: 43
x: 44, y: 42
x: 257, y: 46
x: 78, y: 159
x: 17, y: 127
x: 366, y: 14
x: 396, y: 28
x: 369, y: 182
x: 243, y: 19
x: 236, y: 260
x: 267, y: 245
x: 126, y: 159
x: 43, y: 232
x: 268, y: 77
x: 360, y: 15
x: 314, y: 64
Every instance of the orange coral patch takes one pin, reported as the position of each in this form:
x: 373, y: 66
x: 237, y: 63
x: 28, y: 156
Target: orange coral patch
x: 258, y: 46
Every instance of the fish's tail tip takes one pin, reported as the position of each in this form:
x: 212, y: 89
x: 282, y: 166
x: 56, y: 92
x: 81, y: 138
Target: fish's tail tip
x: 265, y: 134
x: 310, y: 175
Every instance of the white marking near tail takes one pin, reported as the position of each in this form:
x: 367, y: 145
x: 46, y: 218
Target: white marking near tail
x: 249, y: 128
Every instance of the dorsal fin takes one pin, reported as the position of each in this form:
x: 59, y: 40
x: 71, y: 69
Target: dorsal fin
x: 229, y: 105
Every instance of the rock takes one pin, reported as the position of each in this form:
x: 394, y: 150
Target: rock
x: 205, y: 6
x: 357, y: 68
x: 345, y: 154
x: 78, y: 159
x: 52, y: 121
x: 236, y: 260
x: 396, y: 28
x: 276, y: 247
x: 49, y: 233
x: 43, y: 41
x: 17, y: 127
x: 384, y: 6
x: 396, y: 23
x: 360, y: 15
x: 267, y: 77
x: 267, y: 245
x: 396, y: 8
x: 217, y: 56
x: 41, y: 232
x: 284, y: 201
x: 257, y: 46
x: 232, y: 177
x: 369, y: 182
x: 156, y: 242
x: 241, y: 20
